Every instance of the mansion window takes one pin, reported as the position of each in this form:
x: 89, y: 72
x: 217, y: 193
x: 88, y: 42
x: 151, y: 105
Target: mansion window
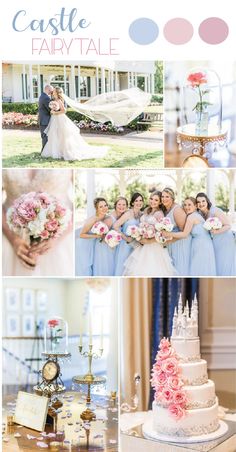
x: 85, y: 86
x: 58, y: 80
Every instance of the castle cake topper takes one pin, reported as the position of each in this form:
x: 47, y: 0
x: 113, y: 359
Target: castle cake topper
x: 185, y: 320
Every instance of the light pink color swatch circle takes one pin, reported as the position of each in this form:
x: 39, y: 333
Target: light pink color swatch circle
x: 178, y: 31
x: 213, y: 30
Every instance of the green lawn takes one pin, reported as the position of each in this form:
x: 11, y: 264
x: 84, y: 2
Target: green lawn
x: 19, y: 151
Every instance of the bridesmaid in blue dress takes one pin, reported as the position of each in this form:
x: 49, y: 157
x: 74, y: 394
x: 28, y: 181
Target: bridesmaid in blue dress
x: 129, y: 218
x: 202, y: 255
x: 98, y: 252
x: 120, y: 207
x: 180, y: 250
x: 223, y: 238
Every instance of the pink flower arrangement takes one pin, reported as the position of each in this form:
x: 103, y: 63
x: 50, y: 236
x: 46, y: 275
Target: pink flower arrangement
x: 113, y: 238
x: 37, y: 216
x: 134, y: 232
x: 212, y: 223
x: 164, y: 224
x: 166, y: 381
x: 100, y: 228
x: 54, y: 105
x: 147, y: 230
x: 13, y: 118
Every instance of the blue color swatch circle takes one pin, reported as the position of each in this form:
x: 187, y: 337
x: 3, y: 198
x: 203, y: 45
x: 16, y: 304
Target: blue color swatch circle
x: 143, y: 31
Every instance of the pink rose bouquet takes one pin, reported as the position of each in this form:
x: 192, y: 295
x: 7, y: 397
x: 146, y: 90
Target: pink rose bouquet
x: 54, y: 105
x: 113, y: 238
x: 147, y: 230
x: 212, y: 223
x: 166, y: 381
x: 100, y: 228
x: 164, y: 224
x: 38, y: 216
x: 134, y: 232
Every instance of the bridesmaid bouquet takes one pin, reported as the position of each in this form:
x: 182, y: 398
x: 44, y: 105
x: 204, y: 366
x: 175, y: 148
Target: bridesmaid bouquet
x: 134, y: 232
x: 113, y: 238
x: 212, y: 223
x: 99, y: 228
x: 147, y: 230
x: 38, y: 216
x: 53, y: 105
x: 164, y: 224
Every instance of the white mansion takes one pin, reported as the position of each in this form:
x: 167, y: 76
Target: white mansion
x: 24, y: 82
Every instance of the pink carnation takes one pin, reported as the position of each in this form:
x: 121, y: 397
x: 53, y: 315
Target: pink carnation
x: 176, y: 411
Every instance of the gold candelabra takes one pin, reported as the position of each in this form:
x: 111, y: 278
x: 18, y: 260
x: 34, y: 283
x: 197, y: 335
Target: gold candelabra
x: 89, y: 379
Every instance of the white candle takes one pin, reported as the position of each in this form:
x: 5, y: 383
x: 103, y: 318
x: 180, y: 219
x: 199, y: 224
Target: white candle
x: 90, y: 329
x: 81, y: 340
x: 101, y: 332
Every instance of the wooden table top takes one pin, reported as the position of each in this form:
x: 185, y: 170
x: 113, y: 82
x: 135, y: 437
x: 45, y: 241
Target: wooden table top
x: 102, y: 436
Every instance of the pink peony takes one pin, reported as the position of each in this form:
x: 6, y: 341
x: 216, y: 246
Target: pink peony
x: 176, y: 411
x: 174, y: 383
x: 52, y: 225
x: 170, y: 366
x: 45, y: 234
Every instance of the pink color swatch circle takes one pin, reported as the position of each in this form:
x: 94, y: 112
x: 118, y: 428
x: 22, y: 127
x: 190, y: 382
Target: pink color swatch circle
x: 213, y: 30
x: 178, y: 31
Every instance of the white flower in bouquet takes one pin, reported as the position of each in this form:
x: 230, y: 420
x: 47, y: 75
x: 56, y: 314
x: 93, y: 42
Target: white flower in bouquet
x: 164, y: 224
x: 100, y: 228
x: 54, y: 105
x: 113, y: 238
x: 159, y: 237
x: 134, y: 232
x: 212, y: 223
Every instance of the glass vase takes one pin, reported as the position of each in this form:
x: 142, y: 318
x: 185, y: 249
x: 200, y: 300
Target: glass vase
x: 201, y: 122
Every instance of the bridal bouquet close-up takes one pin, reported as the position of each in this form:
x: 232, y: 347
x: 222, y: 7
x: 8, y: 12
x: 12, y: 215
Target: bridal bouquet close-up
x: 212, y: 223
x: 164, y: 224
x: 53, y: 105
x: 38, y: 216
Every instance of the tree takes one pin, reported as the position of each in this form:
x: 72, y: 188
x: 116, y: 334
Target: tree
x: 222, y: 197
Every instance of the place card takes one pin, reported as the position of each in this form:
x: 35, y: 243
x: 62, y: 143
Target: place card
x: 31, y: 410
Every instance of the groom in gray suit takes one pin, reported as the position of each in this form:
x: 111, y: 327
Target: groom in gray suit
x: 44, y: 112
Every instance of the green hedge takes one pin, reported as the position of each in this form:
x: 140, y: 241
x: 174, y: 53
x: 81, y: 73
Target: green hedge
x: 20, y: 107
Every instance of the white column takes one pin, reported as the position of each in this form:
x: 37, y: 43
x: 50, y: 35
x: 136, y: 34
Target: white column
x: 24, y: 85
x: 145, y: 83
x: 64, y: 69
x: 112, y: 81
x: 90, y: 191
x: 39, y: 80
x: 179, y: 185
x: 73, y: 92
x: 148, y: 83
x: 128, y: 84
x: 103, y: 80
x: 116, y: 81
x: 136, y: 79
x: 122, y: 183
x: 109, y: 81
x: 231, y: 190
x: 210, y: 184
x: 132, y: 79
x: 78, y: 73
x: 152, y: 84
x: 97, y: 80
x: 31, y: 94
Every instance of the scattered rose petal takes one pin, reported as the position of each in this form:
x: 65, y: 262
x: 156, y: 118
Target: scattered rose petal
x: 30, y: 437
x: 17, y: 435
x: 40, y: 438
x: 51, y: 435
x: 41, y: 444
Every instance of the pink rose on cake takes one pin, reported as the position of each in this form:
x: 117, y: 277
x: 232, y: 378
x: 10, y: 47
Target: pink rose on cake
x: 164, y: 344
x: 170, y: 366
x: 174, y: 383
x: 159, y: 379
x: 176, y: 411
x: 167, y: 395
x: 179, y: 397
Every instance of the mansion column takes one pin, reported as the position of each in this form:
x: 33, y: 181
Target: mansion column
x: 231, y: 191
x: 152, y: 84
x: 31, y: 94
x: 122, y: 182
x: 132, y: 79
x: 103, y: 80
x: 210, y: 185
x: 39, y: 80
x: 24, y: 88
x: 109, y: 81
x: 145, y: 83
x: 90, y: 192
x: 135, y: 79
x: 97, y: 80
x: 112, y: 81
x: 179, y: 181
x: 73, y: 91
x: 128, y: 84
x: 116, y: 81
x: 78, y: 86
x: 64, y: 71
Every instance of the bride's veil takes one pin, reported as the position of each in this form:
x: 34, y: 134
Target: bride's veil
x: 118, y: 107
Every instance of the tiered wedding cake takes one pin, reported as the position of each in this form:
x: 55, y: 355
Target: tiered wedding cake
x: 185, y: 403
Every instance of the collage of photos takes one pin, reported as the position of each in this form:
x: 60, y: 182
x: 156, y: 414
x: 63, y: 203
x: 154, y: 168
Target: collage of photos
x: 119, y: 256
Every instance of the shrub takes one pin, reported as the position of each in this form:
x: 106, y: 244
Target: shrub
x: 18, y: 119
x: 157, y: 98
x: 20, y: 107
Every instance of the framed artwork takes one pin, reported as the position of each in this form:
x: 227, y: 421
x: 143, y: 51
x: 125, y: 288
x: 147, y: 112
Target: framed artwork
x: 13, y: 325
x: 42, y: 300
x: 12, y: 299
x: 28, y: 325
x: 28, y: 296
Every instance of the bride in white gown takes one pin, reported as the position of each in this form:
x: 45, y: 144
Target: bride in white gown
x: 150, y: 258
x: 53, y: 257
x: 64, y: 138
